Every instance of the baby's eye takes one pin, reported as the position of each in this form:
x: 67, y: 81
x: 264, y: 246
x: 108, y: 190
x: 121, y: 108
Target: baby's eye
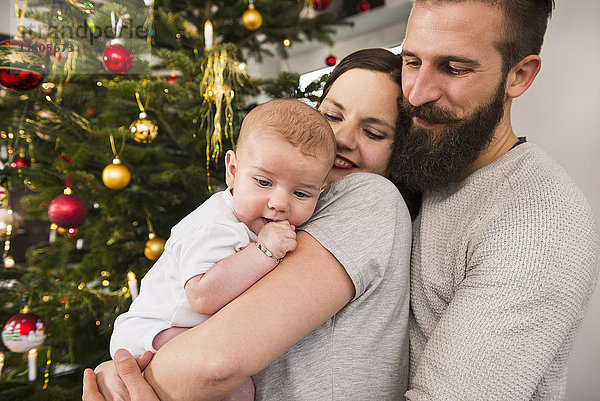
x: 263, y: 183
x: 301, y: 195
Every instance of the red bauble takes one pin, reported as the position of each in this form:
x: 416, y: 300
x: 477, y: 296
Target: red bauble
x: 320, y: 5
x: 363, y: 6
x: 331, y: 60
x: 20, y: 162
x: 67, y: 211
x: 172, y: 80
x: 23, y: 332
x: 21, y: 65
x: 91, y: 112
x: 117, y: 59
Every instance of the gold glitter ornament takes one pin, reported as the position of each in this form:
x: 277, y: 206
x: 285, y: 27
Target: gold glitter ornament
x: 143, y: 130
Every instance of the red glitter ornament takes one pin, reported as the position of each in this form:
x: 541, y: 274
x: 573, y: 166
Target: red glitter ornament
x: 172, y: 79
x: 363, y: 6
x: 320, y: 5
x: 331, y: 60
x: 67, y: 211
x: 21, y: 66
x: 117, y: 59
x: 20, y: 162
x: 24, y: 331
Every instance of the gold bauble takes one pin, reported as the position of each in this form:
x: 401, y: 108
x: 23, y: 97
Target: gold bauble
x: 251, y: 18
x: 116, y: 175
x: 143, y: 130
x: 154, y: 248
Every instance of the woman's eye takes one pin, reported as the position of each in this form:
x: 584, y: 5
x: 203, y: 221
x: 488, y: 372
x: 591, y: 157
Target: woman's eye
x: 263, y: 183
x: 331, y: 117
x: 374, y: 135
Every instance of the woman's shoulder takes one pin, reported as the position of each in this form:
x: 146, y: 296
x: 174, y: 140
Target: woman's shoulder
x: 361, y: 185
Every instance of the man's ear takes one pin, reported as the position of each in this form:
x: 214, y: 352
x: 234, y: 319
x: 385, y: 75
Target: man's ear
x: 521, y: 76
x: 230, y: 168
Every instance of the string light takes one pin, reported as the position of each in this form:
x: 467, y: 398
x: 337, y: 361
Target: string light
x: 47, y: 370
x: 287, y: 42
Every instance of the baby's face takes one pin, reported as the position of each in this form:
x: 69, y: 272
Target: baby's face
x: 273, y: 180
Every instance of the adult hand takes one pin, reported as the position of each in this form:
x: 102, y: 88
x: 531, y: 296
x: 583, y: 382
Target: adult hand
x: 119, y: 380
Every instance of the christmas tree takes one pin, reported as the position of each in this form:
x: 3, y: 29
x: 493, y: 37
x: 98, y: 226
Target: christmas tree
x: 112, y: 128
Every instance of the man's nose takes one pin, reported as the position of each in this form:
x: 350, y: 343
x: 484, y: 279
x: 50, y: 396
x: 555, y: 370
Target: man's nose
x: 424, y: 87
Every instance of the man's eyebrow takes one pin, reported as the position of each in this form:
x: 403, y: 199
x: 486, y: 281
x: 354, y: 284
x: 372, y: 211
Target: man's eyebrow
x: 447, y: 59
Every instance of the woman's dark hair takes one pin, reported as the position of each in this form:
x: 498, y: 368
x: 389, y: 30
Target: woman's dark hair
x: 375, y: 59
x: 379, y: 60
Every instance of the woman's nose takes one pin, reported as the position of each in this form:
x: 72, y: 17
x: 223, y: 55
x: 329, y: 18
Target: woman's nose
x: 345, y: 137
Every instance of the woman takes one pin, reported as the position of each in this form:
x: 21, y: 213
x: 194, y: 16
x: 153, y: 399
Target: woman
x: 330, y: 322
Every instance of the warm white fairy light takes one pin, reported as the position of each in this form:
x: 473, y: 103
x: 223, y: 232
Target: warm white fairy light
x: 31, y: 364
x: 208, y: 35
x: 133, y: 285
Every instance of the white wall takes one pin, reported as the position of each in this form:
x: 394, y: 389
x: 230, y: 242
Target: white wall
x: 560, y: 112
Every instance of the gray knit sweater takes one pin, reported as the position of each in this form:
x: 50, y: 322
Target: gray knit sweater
x: 503, y: 266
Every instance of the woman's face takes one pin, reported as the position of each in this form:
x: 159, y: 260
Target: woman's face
x: 361, y: 107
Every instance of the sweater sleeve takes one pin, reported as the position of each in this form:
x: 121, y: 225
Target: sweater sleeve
x: 512, y: 319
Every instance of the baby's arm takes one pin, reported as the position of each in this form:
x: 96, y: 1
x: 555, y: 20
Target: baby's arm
x: 228, y: 278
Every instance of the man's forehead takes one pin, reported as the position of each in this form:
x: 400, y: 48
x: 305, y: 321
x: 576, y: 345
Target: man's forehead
x: 460, y: 30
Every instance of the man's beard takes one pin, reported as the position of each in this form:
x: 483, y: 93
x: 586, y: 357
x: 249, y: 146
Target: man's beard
x: 423, y: 159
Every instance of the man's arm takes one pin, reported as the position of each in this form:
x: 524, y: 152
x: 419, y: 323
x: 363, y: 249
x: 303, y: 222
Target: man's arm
x: 214, y: 358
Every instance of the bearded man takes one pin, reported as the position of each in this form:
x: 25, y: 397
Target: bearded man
x: 505, y: 249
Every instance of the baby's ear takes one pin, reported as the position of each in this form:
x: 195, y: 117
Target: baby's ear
x: 230, y: 168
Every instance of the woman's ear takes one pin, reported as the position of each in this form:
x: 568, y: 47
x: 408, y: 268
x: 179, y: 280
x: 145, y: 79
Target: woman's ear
x: 521, y: 76
x: 230, y: 168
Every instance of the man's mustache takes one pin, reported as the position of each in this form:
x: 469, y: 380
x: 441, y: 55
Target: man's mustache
x: 430, y: 113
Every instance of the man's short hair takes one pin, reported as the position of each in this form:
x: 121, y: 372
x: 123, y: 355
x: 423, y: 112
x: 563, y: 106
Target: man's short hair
x: 524, y: 26
x: 293, y: 121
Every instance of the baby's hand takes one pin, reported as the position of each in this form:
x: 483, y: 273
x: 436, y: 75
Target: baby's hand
x: 278, y: 237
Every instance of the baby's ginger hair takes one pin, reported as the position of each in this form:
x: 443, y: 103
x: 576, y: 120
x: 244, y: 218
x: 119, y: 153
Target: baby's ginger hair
x: 293, y: 121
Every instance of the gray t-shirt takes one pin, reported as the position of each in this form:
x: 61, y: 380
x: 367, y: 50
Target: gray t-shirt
x: 361, y: 353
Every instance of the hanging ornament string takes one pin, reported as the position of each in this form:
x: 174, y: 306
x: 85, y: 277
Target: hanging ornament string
x: 117, y: 25
x: 113, y: 148
x: 20, y: 14
x: 69, y: 179
x: 149, y: 223
x: 139, y: 102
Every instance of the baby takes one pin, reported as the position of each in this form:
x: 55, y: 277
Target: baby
x: 284, y: 153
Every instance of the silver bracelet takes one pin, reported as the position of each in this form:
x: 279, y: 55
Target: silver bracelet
x: 264, y: 250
